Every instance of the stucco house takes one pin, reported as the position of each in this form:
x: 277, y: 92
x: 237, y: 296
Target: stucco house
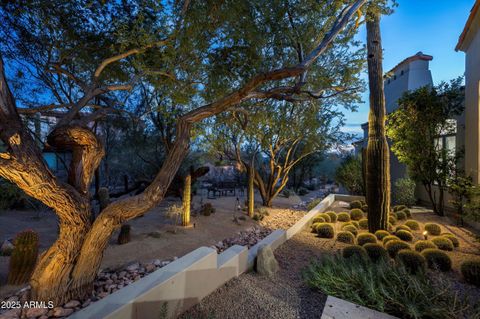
x: 469, y: 42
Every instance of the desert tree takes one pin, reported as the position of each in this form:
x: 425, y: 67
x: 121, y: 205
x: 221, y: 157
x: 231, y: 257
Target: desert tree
x: 100, y: 49
x: 416, y: 129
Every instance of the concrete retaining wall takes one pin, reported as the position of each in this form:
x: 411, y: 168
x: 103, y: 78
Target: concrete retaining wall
x: 173, y: 289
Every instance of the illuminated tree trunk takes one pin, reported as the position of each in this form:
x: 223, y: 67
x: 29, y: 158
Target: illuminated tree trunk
x: 187, y: 193
x: 378, y: 161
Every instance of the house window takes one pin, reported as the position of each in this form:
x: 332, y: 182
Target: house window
x: 402, y: 73
x: 394, y: 77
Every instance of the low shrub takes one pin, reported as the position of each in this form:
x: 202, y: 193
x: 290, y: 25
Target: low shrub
x: 346, y: 237
x: 356, y: 204
x: 366, y: 238
x: 313, y: 203
x: 471, y: 271
x: 401, y: 215
x: 404, y: 235
x: 443, y: 243
x: 453, y: 238
x: 375, y: 251
x: 403, y: 191
x: 363, y: 223
x: 437, y: 259
x: 325, y: 230
x: 403, y: 227
x: 302, y: 191
x: 394, y: 246
x: 381, y: 234
x: 343, y: 217
x: 433, y: 229
x: 318, y: 219
x: 398, y: 208
x: 388, y: 238
x: 413, y: 261
x: 350, y: 228
x: 286, y: 193
x: 421, y: 245
x: 356, y: 214
x: 354, y: 252
x: 412, y: 224
x: 332, y: 215
x: 388, y: 288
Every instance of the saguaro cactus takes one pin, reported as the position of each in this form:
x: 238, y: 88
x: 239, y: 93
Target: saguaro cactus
x: 124, y: 236
x: 103, y: 198
x: 187, y: 193
x: 23, y: 258
x: 378, y: 157
x: 250, y: 194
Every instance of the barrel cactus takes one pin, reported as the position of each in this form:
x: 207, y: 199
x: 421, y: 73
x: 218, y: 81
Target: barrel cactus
x: 23, y: 258
x: 124, y: 235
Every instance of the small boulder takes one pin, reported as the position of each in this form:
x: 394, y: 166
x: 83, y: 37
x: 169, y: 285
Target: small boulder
x: 36, y: 312
x: 72, y: 304
x: 267, y: 265
x: 133, y: 267
x: 6, y: 248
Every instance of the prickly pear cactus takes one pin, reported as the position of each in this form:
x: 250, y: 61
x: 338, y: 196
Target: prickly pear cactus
x: 23, y: 258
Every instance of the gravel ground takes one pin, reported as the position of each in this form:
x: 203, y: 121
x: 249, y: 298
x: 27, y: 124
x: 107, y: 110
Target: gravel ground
x: 283, y: 296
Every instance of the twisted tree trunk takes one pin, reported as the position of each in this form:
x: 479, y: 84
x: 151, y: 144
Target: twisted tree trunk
x: 378, y: 157
x: 68, y: 268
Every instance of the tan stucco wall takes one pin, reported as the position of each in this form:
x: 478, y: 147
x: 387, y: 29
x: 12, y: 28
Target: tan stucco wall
x: 472, y: 115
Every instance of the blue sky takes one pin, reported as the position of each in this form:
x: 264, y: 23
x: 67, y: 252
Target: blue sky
x: 430, y: 26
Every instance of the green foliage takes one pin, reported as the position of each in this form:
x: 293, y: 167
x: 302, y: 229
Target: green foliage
x: 332, y: 215
x: 12, y: 197
x: 343, y: 217
x: 381, y: 234
x: 356, y: 214
x: 412, y: 224
x: 356, y: 204
x: 414, y: 129
x: 471, y: 271
x: 433, y: 229
x: 363, y: 223
x: 23, y: 257
x: 453, y: 239
x: 325, y: 230
x: 388, y: 238
x: 345, y: 237
x: 394, y: 246
x: 404, y: 235
x: 376, y: 252
x: 124, y: 235
x: 313, y: 203
x: 355, y: 252
x: 443, y: 243
x: 349, y: 175
x: 413, y: 261
x: 366, y: 238
x: 437, y: 259
x: 388, y: 288
x: 421, y: 245
x: 350, y: 228
x: 404, y: 192
x: 401, y: 215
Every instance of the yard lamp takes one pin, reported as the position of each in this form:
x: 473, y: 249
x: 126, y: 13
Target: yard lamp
x: 425, y: 234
